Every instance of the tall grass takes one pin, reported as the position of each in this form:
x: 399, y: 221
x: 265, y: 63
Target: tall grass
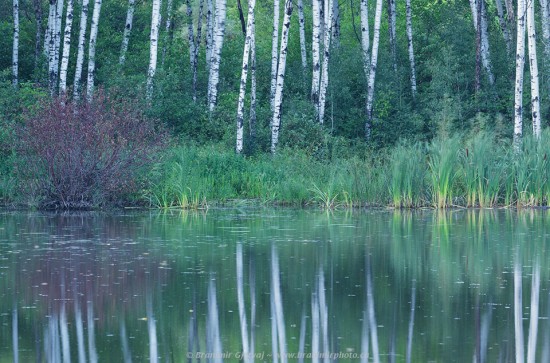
x: 442, y: 166
x: 408, y: 169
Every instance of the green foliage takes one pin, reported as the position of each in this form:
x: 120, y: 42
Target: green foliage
x: 407, y: 175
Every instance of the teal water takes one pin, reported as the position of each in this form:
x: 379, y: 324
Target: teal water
x: 421, y: 286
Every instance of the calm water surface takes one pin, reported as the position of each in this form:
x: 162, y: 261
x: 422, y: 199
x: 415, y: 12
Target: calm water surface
x: 459, y: 286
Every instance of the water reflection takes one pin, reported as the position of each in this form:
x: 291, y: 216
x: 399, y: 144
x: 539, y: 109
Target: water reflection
x: 275, y: 286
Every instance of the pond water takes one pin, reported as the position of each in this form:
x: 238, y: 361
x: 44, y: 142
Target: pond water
x: 229, y: 285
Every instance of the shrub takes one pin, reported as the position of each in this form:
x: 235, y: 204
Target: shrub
x: 83, y: 155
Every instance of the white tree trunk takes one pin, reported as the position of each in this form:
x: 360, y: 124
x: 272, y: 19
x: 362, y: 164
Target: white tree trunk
x: 301, y: 20
x: 392, y: 31
x: 520, y: 63
x: 168, y: 26
x: 218, y: 36
x: 197, y: 47
x: 326, y: 59
x: 37, y: 5
x: 15, y: 54
x: 50, y: 45
x: 252, y: 120
x: 545, y: 22
x: 533, y: 67
x: 504, y: 26
x: 127, y: 30
x: 372, y: 69
x: 411, y: 48
x: 155, y: 23
x: 485, y: 54
x: 80, y: 53
x: 91, y: 50
x: 66, y: 48
x: 209, y: 32
x: 57, y: 43
x: 190, y: 33
x: 316, y: 54
x: 365, y: 37
x: 244, y: 75
x: 276, y: 123
x: 274, y: 55
x: 240, y: 298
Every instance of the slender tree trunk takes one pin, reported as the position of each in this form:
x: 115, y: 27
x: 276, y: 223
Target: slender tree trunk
x: 315, y: 328
x: 244, y: 75
x: 218, y: 37
x: 197, y: 47
x: 280, y: 78
x: 302, y: 21
x: 38, y: 42
x: 168, y: 30
x: 323, y: 309
x: 533, y: 67
x: 79, y: 326
x: 66, y: 48
x: 274, y: 56
x: 518, y: 311
x: 365, y: 37
x: 392, y: 31
x: 534, y: 311
x: 80, y: 53
x: 152, y: 330
x: 476, y: 17
x: 14, y: 316
x: 15, y: 54
x: 365, y: 336
x: 275, y: 274
x: 191, y: 36
x: 213, y: 325
x: 91, y: 334
x: 485, y: 54
x: 91, y: 50
x: 155, y: 23
x: 241, y: 17
x: 209, y: 32
x: 520, y: 62
x: 326, y: 59
x: 371, y: 311
x: 504, y: 26
x: 316, y: 54
x: 372, y: 70
x: 252, y: 121
x: 545, y: 25
x: 127, y: 30
x: 408, y: 356
x: 411, y: 48
x: 64, y: 328
x: 57, y: 45
x: 50, y: 48
x: 336, y: 23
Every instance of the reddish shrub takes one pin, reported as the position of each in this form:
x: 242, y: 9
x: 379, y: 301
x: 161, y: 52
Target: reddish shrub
x: 83, y: 155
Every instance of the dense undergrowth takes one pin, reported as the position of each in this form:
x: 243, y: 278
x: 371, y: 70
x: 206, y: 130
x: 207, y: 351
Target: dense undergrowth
x: 480, y: 172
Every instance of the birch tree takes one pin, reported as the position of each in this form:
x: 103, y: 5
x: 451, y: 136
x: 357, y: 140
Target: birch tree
x: 155, y: 23
x: 372, y: 69
x: 66, y: 48
x: 533, y: 67
x: 37, y: 4
x: 15, y: 53
x: 127, y: 31
x: 196, y: 48
x: 545, y: 25
x: 392, y: 32
x: 49, y: 47
x: 244, y: 75
x: 252, y: 117
x: 335, y: 23
x: 479, y: 17
x: 217, y: 44
x: 504, y: 26
x: 168, y: 29
x: 91, y: 50
x: 365, y: 37
x: 209, y: 32
x: 301, y: 21
x: 58, y: 19
x: 411, y: 47
x: 520, y: 63
x: 326, y: 58
x: 190, y: 33
x: 274, y: 55
x: 316, y: 57
x: 275, y: 124
x: 80, y: 53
